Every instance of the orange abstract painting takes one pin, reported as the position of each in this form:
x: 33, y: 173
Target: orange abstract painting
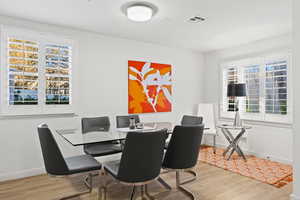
x: 149, y: 87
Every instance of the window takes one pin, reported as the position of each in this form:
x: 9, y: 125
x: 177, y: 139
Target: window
x: 276, y: 87
x: 268, y: 89
x: 58, y: 64
x: 252, y: 80
x: 23, y: 64
x: 36, y: 73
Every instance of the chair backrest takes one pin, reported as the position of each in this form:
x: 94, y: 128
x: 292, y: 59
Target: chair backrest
x: 94, y: 123
x: 142, y: 156
x: 208, y: 113
x: 189, y: 120
x: 53, y: 159
x: 124, y: 121
x: 184, y: 147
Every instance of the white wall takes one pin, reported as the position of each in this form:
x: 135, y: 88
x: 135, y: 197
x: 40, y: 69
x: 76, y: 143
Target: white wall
x: 102, y: 90
x: 296, y: 83
x: 264, y: 140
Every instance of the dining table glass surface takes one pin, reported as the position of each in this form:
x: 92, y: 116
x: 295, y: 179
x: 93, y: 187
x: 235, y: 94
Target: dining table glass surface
x: 76, y: 137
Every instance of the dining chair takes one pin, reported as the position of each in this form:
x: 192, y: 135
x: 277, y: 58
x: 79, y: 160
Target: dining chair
x: 94, y: 123
x: 57, y: 165
x: 182, y: 154
x: 188, y: 120
x: 124, y: 121
x: 207, y: 111
x: 103, y: 149
x: 141, y: 160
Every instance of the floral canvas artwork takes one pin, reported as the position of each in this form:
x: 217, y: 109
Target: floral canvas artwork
x: 149, y: 87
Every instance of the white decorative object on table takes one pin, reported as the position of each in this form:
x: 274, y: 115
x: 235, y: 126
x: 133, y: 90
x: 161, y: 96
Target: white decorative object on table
x: 145, y: 128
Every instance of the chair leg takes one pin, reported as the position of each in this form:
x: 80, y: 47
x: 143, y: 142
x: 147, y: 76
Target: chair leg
x: 182, y: 189
x: 188, y: 193
x: 132, y: 193
x: 100, y: 193
x: 192, y: 172
x: 106, y: 184
x: 147, y: 193
x: 166, y: 185
x: 88, y: 180
x: 104, y: 193
x: 89, y: 185
x: 143, y: 192
x: 74, y: 195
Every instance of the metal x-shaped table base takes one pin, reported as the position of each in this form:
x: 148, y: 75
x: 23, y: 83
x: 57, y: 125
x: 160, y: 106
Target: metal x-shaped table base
x: 233, y: 141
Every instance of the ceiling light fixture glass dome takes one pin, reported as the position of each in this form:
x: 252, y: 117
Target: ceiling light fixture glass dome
x: 139, y: 12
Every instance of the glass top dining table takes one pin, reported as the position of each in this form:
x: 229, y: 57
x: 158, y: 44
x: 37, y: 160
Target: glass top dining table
x: 106, y: 134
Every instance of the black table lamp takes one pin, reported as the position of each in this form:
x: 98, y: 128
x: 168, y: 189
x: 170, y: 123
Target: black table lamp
x: 236, y: 90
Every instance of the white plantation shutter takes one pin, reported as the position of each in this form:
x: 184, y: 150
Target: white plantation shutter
x: 276, y: 87
x: 268, y: 96
x: 58, y: 73
x: 23, y: 61
x: 230, y: 76
x: 252, y: 79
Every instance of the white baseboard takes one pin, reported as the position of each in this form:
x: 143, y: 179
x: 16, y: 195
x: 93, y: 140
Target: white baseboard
x: 268, y: 157
x: 273, y: 158
x: 21, y: 174
x: 294, y: 197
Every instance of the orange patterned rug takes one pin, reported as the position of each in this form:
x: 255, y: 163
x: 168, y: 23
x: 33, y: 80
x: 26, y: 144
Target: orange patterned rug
x: 266, y: 171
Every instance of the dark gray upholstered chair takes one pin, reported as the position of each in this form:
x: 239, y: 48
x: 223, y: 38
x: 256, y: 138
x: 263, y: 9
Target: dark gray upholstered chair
x: 141, y: 160
x: 123, y: 121
x: 189, y: 120
x: 103, y: 149
x: 57, y: 165
x: 183, y: 151
x: 94, y: 123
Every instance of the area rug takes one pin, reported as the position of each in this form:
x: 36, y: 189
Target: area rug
x: 266, y: 171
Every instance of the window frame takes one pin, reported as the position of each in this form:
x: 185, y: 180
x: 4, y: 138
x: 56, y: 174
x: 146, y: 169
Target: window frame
x: 261, y: 61
x: 43, y: 38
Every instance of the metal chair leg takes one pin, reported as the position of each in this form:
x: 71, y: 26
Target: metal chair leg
x: 105, y: 193
x: 100, y: 193
x: 132, y: 193
x: 89, y: 185
x: 74, y: 195
x: 166, y: 185
x: 88, y: 180
x: 182, y: 189
x: 192, y: 172
x: 143, y: 193
x: 188, y: 193
x: 147, y: 193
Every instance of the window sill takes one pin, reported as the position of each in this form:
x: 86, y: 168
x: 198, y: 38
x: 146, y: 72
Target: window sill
x: 261, y: 123
x: 34, y: 116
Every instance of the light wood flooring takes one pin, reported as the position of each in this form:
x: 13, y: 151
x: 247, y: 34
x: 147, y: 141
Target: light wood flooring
x: 212, y: 184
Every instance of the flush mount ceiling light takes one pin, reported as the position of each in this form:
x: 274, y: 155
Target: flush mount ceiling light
x: 140, y: 12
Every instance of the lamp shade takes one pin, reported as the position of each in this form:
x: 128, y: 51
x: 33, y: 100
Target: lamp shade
x: 236, y: 90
